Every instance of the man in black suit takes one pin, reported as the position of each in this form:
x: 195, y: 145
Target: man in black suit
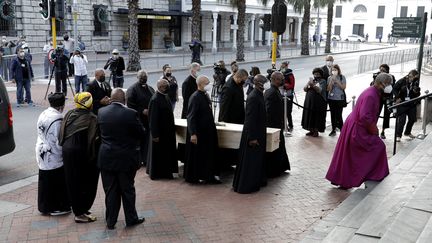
x: 189, y: 86
x: 232, y: 99
x: 327, y: 68
x: 100, y: 91
x: 118, y: 158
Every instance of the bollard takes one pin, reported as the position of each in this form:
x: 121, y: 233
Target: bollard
x: 424, y: 119
x: 353, y: 102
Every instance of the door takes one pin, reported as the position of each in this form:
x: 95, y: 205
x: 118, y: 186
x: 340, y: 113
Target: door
x: 145, y: 34
x: 358, y: 29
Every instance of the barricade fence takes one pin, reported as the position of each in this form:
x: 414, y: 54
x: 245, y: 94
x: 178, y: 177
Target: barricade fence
x: 373, y: 61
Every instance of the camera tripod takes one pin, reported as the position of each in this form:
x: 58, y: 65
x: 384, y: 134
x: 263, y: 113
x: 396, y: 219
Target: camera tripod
x: 49, y: 82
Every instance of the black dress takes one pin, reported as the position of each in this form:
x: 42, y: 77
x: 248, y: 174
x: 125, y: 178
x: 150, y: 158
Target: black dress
x: 277, y: 161
x: 162, y: 161
x: 315, y: 108
x: 138, y: 98
x: 201, y: 158
x: 52, y: 193
x: 250, y: 172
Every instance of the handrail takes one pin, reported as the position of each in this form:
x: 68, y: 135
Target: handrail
x: 409, y: 101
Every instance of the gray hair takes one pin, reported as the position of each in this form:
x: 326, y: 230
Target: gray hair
x: 195, y: 65
x: 201, y: 78
x: 141, y: 73
x: 99, y: 70
x: 383, y: 78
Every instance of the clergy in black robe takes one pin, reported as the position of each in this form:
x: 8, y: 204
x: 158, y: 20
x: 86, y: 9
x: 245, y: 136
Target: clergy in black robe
x: 189, y: 86
x: 162, y: 161
x: 315, y: 104
x: 232, y: 99
x: 250, y: 173
x: 138, y: 98
x: 277, y: 161
x: 201, y: 141
x: 79, y: 137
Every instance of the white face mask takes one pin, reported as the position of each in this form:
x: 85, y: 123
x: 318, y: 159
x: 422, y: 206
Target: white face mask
x: 207, y: 88
x: 329, y: 63
x: 267, y: 86
x: 335, y: 73
x: 388, y: 89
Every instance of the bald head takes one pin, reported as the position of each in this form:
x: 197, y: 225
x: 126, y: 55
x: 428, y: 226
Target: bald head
x: 202, y: 81
x: 118, y: 95
x: 259, y: 81
x: 277, y: 78
x: 162, y: 85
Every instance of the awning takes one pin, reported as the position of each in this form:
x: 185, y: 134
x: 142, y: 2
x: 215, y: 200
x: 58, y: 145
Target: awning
x: 149, y: 13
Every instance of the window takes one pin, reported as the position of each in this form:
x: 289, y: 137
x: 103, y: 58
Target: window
x: 338, y: 12
x: 337, y: 30
x: 360, y: 9
x: 7, y: 18
x: 379, y: 32
x: 404, y: 11
x: 358, y: 29
x: 420, y: 11
x: 100, y: 14
x: 381, y: 12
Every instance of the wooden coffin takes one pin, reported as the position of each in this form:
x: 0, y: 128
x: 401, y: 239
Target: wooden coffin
x: 229, y: 135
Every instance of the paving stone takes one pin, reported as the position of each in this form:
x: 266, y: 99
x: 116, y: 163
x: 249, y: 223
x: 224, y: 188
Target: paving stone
x: 7, y: 208
x: 426, y: 234
x: 47, y: 224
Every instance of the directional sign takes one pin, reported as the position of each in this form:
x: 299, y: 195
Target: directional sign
x: 406, y: 27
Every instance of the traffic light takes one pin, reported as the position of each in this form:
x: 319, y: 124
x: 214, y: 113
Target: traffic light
x: 44, y: 8
x: 278, y: 17
x: 60, y: 9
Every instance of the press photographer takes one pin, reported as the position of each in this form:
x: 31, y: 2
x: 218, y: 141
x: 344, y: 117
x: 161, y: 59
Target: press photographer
x: 61, y: 63
x: 116, y: 65
x: 288, y: 87
x: 219, y: 76
x: 79, y: 61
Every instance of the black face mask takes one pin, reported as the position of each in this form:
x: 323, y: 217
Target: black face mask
x: 168, y: 74
x: 143, y: 81
x: 66, y: 38
x: 102, y: 79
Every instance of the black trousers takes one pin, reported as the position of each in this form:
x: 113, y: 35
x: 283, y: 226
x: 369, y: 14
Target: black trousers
x: 52, y: 191
x: 336, y: 109
x: 71, y: 67
x: 60, y: 82
x: 289, y: 111
x: 403, y: 112
x: 119, y: 187
x: 386, y: 114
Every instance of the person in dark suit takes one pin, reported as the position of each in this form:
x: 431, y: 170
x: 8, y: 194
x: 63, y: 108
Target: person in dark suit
x: 162, y: 161
x: 189, y: 86
x: 277, y: 161
x: 100, y: 91
x: 138, y: 98
x: 118, y: 160
x: 327, y: 68
x: 232, y: 99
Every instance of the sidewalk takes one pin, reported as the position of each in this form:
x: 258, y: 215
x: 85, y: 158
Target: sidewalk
x: 179, y: 212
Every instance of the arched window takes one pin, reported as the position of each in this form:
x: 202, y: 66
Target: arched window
x: 360, y: 9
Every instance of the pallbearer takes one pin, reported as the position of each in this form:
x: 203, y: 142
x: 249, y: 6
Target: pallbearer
x: 201, y: 142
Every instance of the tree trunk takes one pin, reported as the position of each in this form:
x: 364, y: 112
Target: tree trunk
x: 329, y: 26
x: 305, y: 29
x: 133, y: 50
x: 241, y: 29
x: 196, y: 23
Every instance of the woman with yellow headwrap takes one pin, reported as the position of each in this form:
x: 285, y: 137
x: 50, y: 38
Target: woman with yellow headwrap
x: 79, y: 137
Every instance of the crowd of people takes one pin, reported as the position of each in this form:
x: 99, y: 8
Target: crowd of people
x: 113, y: 133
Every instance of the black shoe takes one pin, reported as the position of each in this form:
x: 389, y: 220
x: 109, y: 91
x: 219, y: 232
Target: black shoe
x: 110, y: 227
x: 138, y: 221
x: 383, y: 136
x: 333, y: 133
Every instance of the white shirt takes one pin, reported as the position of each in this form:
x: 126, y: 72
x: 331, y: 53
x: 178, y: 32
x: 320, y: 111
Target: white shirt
x: 48, y: 151
x: 69, y: 44
x: 79, y: 64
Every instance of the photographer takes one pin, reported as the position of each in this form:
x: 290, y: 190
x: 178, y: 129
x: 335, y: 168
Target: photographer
x: 249, y: 82
x: 386, y: 99
x: 116, y: 65
x: 405, y: 89
x: 79, y: 61
x: 288, y: 87
x: 61, y: 63
x: 219, y: 76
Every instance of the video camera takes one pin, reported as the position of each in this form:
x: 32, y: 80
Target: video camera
x: 270, y: 71
x: 217, y: 68
x: 374, y: 75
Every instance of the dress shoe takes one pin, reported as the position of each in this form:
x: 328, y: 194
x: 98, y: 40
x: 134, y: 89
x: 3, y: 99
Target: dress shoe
x: 383, y: 136
x: 138, y: 221
x: 110, y: 227
x: 410, y: 136
x: 309, y: 133
x: 333, y: 133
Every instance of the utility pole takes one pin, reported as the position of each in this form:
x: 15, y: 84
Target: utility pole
x: 75, y: 18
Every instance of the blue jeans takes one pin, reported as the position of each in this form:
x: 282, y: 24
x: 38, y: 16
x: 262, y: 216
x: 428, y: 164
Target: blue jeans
x: 80, y: 80
x: 118, y: 81
x: 25, y: 83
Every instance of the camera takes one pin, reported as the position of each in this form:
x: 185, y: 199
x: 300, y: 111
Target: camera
x: 217, y: 68
x: 374, y: 75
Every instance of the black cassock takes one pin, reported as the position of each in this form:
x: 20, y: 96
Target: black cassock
x: 315, y: 108
x: 232, y: 103
x: 277, y: 161
x: 189, y: 86
x: 162, y: 161
x: 250, y: 172
x: 201, y: 159
x: 138, y: 98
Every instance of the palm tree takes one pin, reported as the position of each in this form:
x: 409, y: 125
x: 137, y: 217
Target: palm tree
x: 196, y: 23
x: 303, y: 5
x: 330, y: 11
x: 133, y: 50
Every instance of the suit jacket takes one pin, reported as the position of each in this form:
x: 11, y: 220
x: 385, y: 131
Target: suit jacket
x: 189, y: 86
x: 98, y: 93
x: 326, y: 72
x: 121, y: 131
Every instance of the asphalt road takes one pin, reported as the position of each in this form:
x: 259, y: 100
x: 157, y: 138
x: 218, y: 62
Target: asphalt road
x: 21, y: 163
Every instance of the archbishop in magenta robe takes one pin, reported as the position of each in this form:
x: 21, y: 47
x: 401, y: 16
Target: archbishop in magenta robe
x: 360, y: 154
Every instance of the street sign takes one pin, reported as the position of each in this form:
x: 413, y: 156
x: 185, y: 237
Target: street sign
x: 407, y: 27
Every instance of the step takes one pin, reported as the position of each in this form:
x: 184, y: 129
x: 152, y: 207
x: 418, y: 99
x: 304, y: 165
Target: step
x: 426, y: 235
x: 422, y: 198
